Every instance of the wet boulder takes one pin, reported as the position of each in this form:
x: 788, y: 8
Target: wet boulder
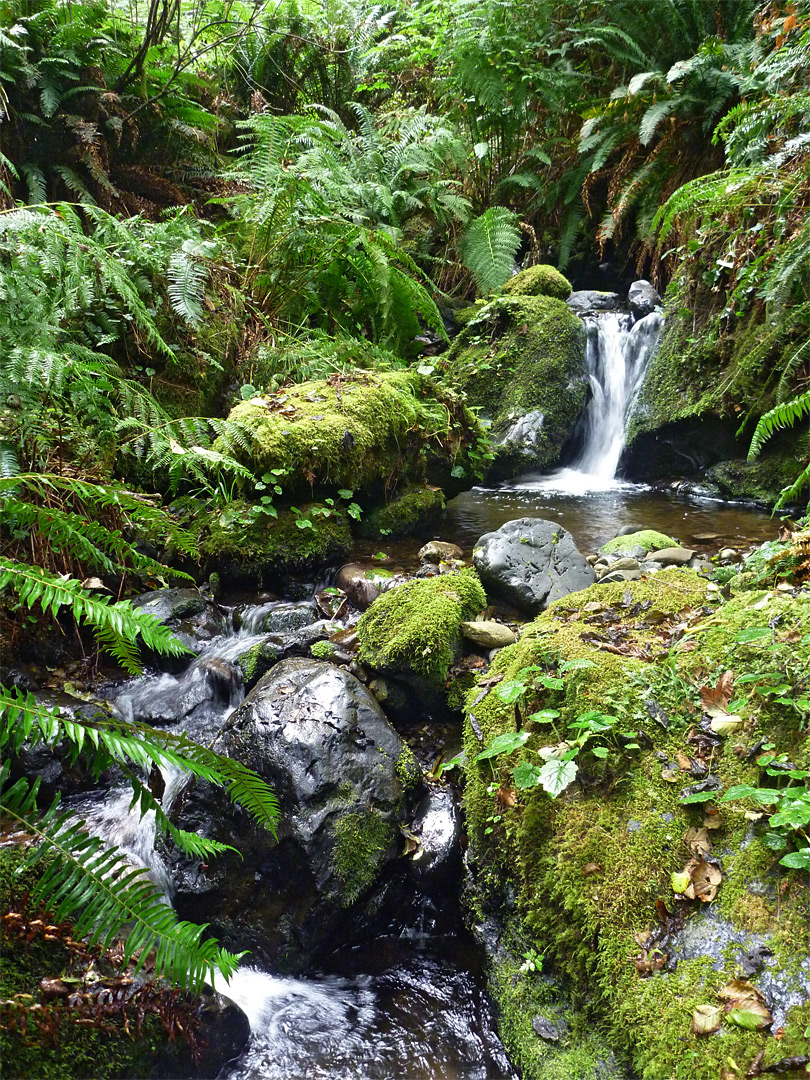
x: 530, y: 563
x: 363, y: 584
x: 193, y: 617
x: 275, y: 617
x: 345, y: 783
x: 591, y: 301
x: 642, y: 299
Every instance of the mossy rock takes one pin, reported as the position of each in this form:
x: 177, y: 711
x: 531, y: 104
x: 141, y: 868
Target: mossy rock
x: 590, y: 869
x: 415, y: 628
x: 365, y: 432
x: 415, y: 510
x: 361, y: 837
x: 523, y: 355
x: 710, y: 370
x: 246, y: 548
x: 540, y: 280
x: 760, y: 481
x: 645, y: 539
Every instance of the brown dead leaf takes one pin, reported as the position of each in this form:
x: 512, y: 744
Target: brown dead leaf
x: 745, y: 1005
x: 507, y: 797
x: 706, y: 1019
x: 684, y: 761
x: 591, y: 868
x: 704, y: 881
x: 711, y: 819
x: 716, y: 698
x: 698, y: 842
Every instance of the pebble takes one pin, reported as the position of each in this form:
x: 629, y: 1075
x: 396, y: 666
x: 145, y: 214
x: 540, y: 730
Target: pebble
x: 727, y: 554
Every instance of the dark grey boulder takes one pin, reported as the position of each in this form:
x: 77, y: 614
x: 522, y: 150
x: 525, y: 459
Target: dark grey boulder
x: 588, y: 301
x: 275, y: 618
x: 316, y: 735
x: 642, y: 299
x: 523, y: 439
x: 193, y: 618
x: 531, y: 563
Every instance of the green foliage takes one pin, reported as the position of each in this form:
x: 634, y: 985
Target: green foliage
x: 488, y: 248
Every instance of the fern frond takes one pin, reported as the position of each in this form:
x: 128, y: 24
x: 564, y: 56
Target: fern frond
x: 488, y: 248
x: 781, y: 416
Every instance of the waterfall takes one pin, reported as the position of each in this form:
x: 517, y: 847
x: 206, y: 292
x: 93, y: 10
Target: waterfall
x: 618, y: 353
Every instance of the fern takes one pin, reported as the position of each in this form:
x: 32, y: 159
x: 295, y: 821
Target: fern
x: 488, y: 248
x: 117, y: 626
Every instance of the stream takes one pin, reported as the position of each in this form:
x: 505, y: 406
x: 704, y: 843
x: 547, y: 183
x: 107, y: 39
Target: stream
x: 406, y: 995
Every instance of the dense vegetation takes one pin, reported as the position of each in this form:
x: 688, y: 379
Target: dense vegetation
x: 202, y: 204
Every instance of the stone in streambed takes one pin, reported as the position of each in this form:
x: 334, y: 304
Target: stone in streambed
x: 642, y: 299
x: 672, y: 556
x: 438, y: 551
x: 488, y: 633
x: 531, y: 563
x: 345, y: 782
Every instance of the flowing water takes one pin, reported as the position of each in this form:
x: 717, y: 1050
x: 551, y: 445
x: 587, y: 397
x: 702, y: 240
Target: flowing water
x: 406, y: 997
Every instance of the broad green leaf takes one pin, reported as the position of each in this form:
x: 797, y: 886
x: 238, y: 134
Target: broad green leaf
x: 506, y: 743
x: 797, y: 860
x: 556, y: 775
x: 526, y: 775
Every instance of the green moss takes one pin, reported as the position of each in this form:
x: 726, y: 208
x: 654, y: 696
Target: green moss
x: 322, y: 650
x: 408, y: 769
x: 415, y: 509
x: 589, y: 868
x: 256, y: 661
x: 364, y: 432
x: 361, y: 837
x: 540, y: 280
x: 415, y: 627
x: 241, y: 546
x: 760, y: 481
x: 648, y: 539
x: 518, y: 355
x: 520, y: 997
x: 463, y: 315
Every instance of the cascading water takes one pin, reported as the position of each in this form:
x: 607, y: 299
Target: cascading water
x: 406, y: 999
x: 618, y: 354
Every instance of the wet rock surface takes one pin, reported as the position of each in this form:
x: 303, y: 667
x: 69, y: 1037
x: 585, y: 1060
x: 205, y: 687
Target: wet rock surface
x: 642, y: 299
x: 193, y: 617
x: 530, y: 563
x: 321, y: 741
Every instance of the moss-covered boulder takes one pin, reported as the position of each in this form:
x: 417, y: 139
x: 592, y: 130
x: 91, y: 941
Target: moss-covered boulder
x: 246, y: 547
x: 712, y: 369
x: 637, y: 543
x: 760, y: 481
x: 414, y: 510
x: 540, y: 280
x: 521, y: 361
x: 368, y: 432
x: 415, y: 629
x: 590, y: 872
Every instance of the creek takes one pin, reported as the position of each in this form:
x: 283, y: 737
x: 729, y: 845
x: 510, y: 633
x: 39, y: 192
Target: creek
x: 404, y: 994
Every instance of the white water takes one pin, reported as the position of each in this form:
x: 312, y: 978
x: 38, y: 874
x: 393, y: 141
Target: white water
x: 618, y: 355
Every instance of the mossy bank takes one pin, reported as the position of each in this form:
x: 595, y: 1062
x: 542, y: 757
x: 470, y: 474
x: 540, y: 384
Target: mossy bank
x: 523, y: 357
x: 590, y: 871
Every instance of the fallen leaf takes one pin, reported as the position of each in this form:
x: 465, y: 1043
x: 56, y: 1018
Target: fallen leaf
x: 704, y: 882
x: 507, y: 797
x: 680, y: 881
x: 745, y: 1005
x: 698, y: 842
x: 592, y: 868
x: 754, y: 1018
x: 715, y: 698
x: 684, y: 761
x: 706, y: 1019
x: 725, y: 723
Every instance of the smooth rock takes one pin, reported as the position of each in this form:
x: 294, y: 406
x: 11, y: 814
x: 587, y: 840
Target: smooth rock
x: 620, y: 575
x: 624, y: 563
x: 363, y: 584
x: 673, y: 556
x: 727, y: 554
x: 642, y: 298
x: 588, y: 300
x: 192, y: 617
x: 525, y: 433
x: 438, y: 551
x: 531, y: 563
x: 488, y: 633
x: 275, y: 618
x: 320, y: 740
